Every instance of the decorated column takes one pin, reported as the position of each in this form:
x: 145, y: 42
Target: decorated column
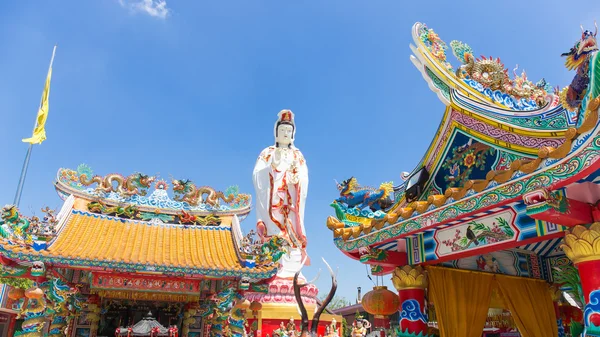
x: 188, y: 317
x: 34, y: 313
x: 582, y: 246
x: 411, y: 283
x: 93, y: 315
x: 555, y: 294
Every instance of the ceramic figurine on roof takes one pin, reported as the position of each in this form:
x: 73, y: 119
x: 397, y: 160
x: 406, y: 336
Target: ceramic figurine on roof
x: 281, y: 181
x: 14, y: 227
x: 136, y: 183
x: 578, y: 58
x: 195, y: 195
x: 115, y: 190
x: 353, y: 195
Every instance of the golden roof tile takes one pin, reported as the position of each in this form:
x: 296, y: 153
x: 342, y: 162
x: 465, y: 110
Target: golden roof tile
x: 98, y: 240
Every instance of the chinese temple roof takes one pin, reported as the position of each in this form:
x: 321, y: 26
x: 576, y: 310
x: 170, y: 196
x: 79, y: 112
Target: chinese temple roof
x: 95, y: 240
x: 115, y: 223
x: 501, y: 136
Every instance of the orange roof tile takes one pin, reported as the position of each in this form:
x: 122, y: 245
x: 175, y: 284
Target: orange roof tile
x: 103, y: 241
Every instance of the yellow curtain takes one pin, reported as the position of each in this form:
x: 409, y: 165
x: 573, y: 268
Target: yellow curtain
x: 530, y: 305
x: 461, y: 300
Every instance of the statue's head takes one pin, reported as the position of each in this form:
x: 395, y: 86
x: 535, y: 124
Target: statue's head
x: 285, y: 129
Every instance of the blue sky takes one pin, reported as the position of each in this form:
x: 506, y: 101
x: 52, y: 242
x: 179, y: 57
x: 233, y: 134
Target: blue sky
x: 194, y: 93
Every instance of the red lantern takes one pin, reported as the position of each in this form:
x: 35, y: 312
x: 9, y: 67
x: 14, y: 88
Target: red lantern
x: 34, y: 292
x: 16, y: 293
x: 380, y: 302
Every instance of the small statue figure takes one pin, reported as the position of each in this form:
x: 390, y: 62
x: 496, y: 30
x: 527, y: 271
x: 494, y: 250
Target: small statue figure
x: 358, y: 328
x: 333, y: 328
x: 291, y: 328
x: 281, y: 332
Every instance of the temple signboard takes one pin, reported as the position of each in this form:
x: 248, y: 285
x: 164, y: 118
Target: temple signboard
x: 146, y: 284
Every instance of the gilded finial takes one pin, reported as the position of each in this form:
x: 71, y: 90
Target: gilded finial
x: 408, y: 277
x: 582, y: 244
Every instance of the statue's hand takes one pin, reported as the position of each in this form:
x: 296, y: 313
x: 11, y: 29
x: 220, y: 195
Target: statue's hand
x: 277, y: 157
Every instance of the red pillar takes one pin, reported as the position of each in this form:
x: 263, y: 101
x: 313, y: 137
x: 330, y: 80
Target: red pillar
x: 412, y: 306
x: 582, y: 246
x: 590, y: 284
x: 411, y: 283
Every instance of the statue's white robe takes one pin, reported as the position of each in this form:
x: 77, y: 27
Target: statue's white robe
x: 275, y: 191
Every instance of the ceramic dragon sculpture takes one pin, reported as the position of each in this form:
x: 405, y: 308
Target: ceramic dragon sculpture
x: 578, y: 58
x: 13, y: 226
x: 221, y: 309
x: 136, y: 183
x: 265, y: 251
x: 59, y: 295
x: 236, y: 323
x: 218, y: 321
x: 34, y: 315
x: 209, y: 220
x: 354, y: 195
x: 186, y: 191
x: 272, y: 250
x: 99, y: 207
x: 372, y: 254
x: 492, y: 74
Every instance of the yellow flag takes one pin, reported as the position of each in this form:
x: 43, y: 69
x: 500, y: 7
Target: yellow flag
x: 39, y: 133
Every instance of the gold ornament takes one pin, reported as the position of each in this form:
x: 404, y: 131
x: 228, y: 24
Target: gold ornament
x: 408, y: 277
x: 555, y: 292
x: 582, y: 244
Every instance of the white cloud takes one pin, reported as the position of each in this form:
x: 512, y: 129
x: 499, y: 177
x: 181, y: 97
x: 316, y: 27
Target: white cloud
x: 155, y: 8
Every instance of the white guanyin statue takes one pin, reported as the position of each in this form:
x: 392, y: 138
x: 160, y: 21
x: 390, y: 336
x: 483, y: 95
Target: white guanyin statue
x: 281, y: 182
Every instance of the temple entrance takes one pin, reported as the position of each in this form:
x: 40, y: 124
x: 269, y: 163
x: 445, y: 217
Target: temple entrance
x: 122, y: 313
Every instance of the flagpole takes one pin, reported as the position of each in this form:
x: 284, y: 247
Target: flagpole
x: 29, y: 149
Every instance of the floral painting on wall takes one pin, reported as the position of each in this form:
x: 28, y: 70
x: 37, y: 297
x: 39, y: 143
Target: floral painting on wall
x: 494, y: 229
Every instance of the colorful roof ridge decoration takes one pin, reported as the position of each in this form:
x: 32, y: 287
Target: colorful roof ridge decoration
x: 487, y: 76
x: 492, y: 170
x: 99, y: 241
x: 115, y: 189
x: 483, y: 86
